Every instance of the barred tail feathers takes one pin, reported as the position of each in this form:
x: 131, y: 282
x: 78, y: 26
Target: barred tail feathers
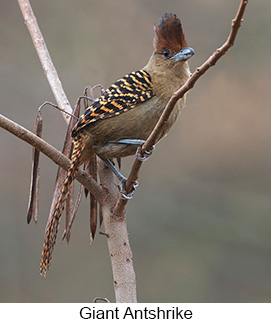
x: 53, y: 224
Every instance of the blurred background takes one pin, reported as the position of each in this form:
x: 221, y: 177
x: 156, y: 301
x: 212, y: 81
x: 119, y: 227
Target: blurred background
x: 200, y: 222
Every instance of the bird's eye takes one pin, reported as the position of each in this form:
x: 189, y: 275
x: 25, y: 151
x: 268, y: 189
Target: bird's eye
x: 166, y: 53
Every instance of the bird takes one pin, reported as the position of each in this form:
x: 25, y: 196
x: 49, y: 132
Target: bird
x: 123, y: 117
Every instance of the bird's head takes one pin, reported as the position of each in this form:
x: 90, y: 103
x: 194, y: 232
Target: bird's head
x: 169, y: 40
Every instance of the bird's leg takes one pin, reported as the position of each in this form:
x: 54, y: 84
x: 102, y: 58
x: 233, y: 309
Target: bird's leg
x: 130, y: 141
x: 122, y: 180
x: 120, y: 177
x: 138, y: 142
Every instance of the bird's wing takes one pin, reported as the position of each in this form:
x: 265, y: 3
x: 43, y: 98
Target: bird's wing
x: 125, y: 94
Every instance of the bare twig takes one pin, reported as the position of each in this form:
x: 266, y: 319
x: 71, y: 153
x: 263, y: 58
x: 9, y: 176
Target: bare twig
x: 211, y: 61
x: 44, y: 56
x: 58, y: 108
x: 55, y: 155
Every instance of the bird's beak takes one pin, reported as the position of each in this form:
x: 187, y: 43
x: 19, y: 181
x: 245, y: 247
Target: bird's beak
x: 184, y: 54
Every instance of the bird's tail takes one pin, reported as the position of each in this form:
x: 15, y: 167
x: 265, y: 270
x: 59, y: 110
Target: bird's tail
x: 53, y: 223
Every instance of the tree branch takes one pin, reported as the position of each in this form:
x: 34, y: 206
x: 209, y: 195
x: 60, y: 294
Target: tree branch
x: 118, y: 243
x: 45, y: 58
x: 211, y: 61
x: 55, y: 155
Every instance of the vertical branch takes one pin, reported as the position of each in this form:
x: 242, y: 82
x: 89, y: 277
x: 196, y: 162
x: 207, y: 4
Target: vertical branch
x: 45, y: 59
x: 118, y: 242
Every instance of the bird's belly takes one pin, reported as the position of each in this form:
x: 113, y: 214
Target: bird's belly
x: 136, y: 123
x: 115, y: 150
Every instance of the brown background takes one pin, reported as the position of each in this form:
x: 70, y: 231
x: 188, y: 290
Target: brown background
x: 200, y: 221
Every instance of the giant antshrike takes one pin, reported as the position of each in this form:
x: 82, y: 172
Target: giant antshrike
x: 124, y: 116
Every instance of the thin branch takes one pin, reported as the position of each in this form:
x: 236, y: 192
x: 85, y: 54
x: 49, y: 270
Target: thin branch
x: 45, y: 59
x: 55, y: 155
x: 211, y: 61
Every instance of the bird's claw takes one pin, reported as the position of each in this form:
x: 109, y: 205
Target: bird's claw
x: 124, y: 195
x: 147, y: 154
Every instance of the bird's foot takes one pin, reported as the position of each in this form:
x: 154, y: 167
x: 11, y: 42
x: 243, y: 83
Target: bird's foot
x: 124, y: 194
x: 147, y: 154
x: 122, y: 179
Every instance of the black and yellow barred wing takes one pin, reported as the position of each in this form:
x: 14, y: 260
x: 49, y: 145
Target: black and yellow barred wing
x: 125, y: 94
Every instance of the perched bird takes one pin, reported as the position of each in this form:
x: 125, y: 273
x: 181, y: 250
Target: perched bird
x: 124, y: 116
